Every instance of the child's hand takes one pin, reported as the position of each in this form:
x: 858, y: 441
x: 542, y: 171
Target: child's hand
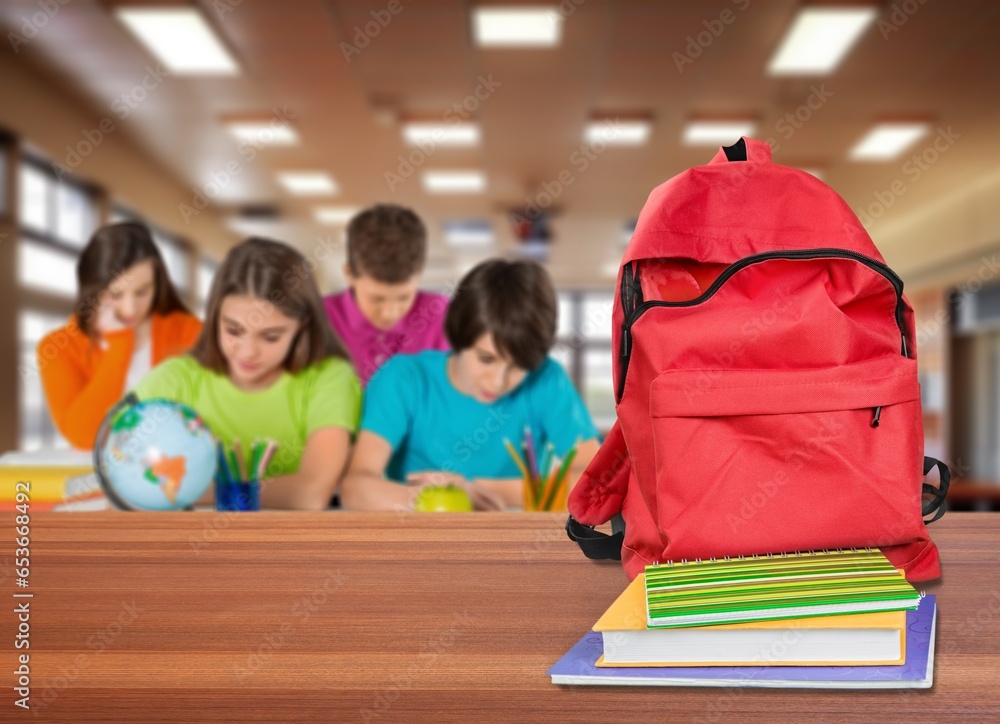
x: 481, y: 497
x: 484, y: 499
x: 436, y: 477
x: 107, y: 320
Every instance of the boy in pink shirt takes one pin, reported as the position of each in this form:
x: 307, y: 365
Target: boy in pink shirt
x: 382, y: 313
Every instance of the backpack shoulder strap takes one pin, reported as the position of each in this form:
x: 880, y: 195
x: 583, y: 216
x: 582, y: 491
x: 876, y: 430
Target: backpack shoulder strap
x: 594, y: 543
x: 598, y: 497
x: 935, y: 504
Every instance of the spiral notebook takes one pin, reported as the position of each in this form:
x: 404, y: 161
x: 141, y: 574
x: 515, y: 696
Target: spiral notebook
x: 774, y: 586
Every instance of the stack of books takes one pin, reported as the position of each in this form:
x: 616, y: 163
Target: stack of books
x: 51, y: 479
x: 831, y: 619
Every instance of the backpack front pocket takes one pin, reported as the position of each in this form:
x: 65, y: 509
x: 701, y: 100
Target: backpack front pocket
x: 776, y: 458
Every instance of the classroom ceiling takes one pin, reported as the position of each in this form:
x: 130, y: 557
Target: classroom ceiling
x: 616, y: 58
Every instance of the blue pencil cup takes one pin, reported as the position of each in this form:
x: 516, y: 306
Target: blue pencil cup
x: 238, y: 495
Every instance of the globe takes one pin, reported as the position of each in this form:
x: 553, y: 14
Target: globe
x: 154, y: 455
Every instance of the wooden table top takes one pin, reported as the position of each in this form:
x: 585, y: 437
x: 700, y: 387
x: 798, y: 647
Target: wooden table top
x: 386, y: 617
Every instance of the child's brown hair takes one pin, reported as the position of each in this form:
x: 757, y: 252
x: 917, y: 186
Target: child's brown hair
x: 277, y: 274
x: 111, y: 251
x: 512, y: 300
x: 386, y: 242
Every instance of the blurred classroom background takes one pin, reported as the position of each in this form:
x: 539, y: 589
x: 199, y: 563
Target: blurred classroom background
x: 534, y: 129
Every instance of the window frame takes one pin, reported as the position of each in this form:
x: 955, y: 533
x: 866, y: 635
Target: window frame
x: 49, y: 237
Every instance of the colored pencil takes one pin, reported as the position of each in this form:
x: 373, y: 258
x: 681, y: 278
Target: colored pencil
x: 543, y: 469
x: 517, y: 458
x: 254, y: 455
x: 265, y: 459
x: 532, y: 459
x: 566, y: 462
x: 223, y: 465
x: 560, y: 480
x: 240, y: 460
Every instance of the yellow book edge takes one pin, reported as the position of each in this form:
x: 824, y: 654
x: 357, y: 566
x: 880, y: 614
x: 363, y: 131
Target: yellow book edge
x: 628, y: 613
x: 47, y: 483
x: 706, y: 664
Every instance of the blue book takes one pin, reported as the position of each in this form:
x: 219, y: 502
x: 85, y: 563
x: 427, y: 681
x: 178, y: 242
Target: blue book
x: 578, y: 666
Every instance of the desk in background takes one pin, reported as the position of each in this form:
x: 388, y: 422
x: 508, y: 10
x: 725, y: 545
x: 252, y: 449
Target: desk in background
x: 387, y: 617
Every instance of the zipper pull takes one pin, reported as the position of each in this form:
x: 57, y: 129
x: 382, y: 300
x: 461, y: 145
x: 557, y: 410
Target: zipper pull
x: 626, y: 339
x: 877, y: 414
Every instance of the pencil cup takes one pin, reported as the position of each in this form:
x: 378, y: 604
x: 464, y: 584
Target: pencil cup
x: 243, y: 495
x: 549, y: 497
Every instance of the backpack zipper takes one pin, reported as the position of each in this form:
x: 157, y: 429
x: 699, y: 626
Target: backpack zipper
x: 631, y: 280
x: 876, y: 415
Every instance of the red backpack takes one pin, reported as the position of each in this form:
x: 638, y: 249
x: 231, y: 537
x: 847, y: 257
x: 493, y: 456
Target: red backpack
x: 766, y: 381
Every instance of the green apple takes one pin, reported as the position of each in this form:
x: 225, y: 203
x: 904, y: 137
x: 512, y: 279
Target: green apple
x: 442, y: 499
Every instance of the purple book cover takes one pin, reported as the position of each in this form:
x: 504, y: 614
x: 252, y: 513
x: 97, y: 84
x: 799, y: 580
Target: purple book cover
x: 578, y: 666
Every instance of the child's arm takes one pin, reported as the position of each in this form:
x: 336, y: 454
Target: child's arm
x: 77, y: 404
x: 365, y: 487
x: 483, y: 494
x: 486, y: 493
x: 312, y: 486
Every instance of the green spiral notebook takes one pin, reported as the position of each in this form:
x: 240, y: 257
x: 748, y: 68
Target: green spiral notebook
x: 774, y: 586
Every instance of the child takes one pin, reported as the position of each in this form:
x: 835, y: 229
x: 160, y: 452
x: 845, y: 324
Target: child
x: 127, y: 319
x: 268, y: 366
x: 439, y: 418
x: 382, y: 313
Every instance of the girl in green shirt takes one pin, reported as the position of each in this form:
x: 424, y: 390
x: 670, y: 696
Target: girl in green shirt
x: 268, y: 365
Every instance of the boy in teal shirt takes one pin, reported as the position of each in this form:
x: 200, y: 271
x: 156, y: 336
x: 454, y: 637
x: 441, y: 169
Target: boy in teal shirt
x: 441, y: 418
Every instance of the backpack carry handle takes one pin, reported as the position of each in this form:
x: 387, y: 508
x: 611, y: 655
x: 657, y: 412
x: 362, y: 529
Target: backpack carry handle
x: 745, y: 149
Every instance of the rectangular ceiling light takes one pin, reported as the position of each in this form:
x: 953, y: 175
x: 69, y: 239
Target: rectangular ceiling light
x: 469, y: 235
x: 180, y: 38
x: 716, y: 133
x: 523, y: 27
x: 335, y: 215
x: 616, y: 132
x: 441, y: 134
x: 886, y: 141
x: 264, y: 133
x: 819, y: 39
x: 308, y: 183
x: 454, y: 182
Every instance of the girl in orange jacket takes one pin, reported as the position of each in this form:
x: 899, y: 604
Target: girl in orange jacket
x: 128, y: 318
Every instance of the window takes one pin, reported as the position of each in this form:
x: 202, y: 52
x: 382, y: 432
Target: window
x: 565, y: 326
x: 583, y: 348
x: 45, y: 269
x: 598, y: 387
x: 55, y: 209
x: 206, y: 274
x: 175, y: 256
x: 74, y: 215
x: 35, y: 197
x: 57, y: 217
x: 37, y: 429
x: 595, y: 320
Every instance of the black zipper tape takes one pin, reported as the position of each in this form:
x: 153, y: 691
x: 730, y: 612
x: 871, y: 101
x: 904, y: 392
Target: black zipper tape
x: 635, y: 310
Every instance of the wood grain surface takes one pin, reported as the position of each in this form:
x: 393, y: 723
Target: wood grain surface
x: 144, y: 617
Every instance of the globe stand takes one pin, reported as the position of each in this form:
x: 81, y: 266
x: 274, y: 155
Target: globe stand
x: 102, y: 437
